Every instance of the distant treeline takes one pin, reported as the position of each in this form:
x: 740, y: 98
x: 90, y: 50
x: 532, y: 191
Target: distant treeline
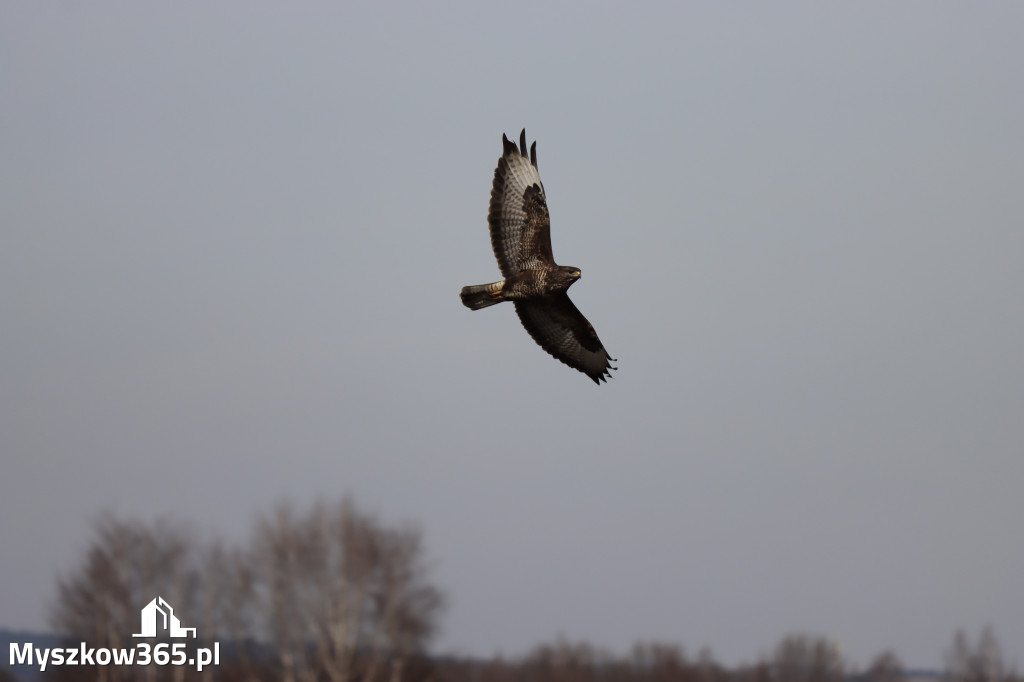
x: 333, y: 595
x: 796, y: 658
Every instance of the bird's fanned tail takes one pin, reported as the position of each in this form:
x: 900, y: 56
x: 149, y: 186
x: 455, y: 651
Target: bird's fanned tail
x: 482, y: 295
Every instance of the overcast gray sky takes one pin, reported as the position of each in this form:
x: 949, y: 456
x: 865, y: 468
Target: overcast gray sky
x: 233, y: 236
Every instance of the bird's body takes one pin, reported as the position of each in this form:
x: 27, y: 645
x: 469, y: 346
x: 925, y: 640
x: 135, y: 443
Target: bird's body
x: 521, y: 238
x: 520, y: 286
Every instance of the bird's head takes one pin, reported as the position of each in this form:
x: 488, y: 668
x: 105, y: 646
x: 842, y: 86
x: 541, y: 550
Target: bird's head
x: 567, y: 274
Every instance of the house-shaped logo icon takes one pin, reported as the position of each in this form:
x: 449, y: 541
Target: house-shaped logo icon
x: 171, y: 624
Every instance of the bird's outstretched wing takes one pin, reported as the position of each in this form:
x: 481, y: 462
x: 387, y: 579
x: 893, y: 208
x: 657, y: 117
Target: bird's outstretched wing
x: 558, y: 326
x: 518, y: 215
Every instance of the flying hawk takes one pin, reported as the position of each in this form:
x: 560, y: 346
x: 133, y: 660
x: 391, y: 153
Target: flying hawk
x: 521, y: 238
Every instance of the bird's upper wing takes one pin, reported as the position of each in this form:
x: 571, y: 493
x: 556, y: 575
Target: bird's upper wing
x: 518, y: 215
x: 558, y: 326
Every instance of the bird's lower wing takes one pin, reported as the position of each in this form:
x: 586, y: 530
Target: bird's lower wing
x: 558, y: 326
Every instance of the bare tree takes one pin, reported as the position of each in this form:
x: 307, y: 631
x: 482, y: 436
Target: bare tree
x: 982, y: 662
x: 886, y: 667
x: 565, y: 661
x: 800, y: 658
x: 658, y: 661
x: 708, y: 668
x: 342, y: 595
x: 127, y: 565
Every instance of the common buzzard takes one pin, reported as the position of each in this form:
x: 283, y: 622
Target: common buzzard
x: 521, y: 238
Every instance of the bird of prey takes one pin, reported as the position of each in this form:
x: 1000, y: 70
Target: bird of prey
x: 536, y: 285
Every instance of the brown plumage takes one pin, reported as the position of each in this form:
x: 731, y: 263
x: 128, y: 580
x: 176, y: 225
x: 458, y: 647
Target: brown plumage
x: 521, y: 238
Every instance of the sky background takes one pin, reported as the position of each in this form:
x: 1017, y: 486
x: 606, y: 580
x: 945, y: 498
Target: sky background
x: 233, y: 236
